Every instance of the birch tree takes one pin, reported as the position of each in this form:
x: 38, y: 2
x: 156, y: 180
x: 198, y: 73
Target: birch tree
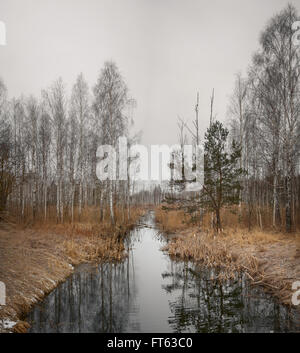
x: 110, y: 100
x: 80, y: 115
x: 55, y: 100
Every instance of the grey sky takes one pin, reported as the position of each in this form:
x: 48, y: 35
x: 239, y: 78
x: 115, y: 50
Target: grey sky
x: 167, y: 50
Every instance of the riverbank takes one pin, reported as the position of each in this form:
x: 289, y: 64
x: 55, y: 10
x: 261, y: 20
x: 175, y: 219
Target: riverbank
x: 269, y: 259
x: 35, y: 260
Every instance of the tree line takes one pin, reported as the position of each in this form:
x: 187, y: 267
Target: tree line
x: 254, y: 163
x: 48, y: 152
x: 265, y: 120
x: 48, y: 155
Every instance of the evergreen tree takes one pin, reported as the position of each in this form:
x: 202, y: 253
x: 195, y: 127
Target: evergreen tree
x: 222, y: 173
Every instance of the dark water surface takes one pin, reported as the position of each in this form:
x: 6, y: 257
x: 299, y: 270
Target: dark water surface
x: 150, y: 293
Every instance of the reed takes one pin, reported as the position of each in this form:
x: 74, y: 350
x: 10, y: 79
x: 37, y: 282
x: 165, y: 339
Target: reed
x: 173, y: 220
x: 268, y: 258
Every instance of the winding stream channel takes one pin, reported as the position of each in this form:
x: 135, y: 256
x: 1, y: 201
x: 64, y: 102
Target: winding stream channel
x: 149, y: 292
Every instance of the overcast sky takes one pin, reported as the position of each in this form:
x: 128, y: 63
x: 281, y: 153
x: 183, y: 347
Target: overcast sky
x: 167, y: 50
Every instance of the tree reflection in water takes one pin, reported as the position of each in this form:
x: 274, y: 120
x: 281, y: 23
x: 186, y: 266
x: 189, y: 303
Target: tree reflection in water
x: 199, y: 303
x: 92, y: 300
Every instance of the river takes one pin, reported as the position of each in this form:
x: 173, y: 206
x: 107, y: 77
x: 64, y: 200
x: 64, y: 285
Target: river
x: 149, y: 292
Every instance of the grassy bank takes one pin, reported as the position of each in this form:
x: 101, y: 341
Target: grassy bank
x: 270, y: 259
x: 35, y: 259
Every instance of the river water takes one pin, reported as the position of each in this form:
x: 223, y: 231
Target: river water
x: 149, y: 292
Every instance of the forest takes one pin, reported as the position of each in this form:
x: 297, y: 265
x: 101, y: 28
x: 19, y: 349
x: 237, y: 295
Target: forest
x: 49, y: 150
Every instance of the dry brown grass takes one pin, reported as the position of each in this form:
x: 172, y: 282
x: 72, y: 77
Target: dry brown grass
x: 237, y: 217
x: 34, y: 260
x: 88, y: 223
x: 269, y: 258
x: 172, y: 221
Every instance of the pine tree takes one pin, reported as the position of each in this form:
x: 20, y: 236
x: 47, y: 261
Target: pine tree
x: 222, y: 173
